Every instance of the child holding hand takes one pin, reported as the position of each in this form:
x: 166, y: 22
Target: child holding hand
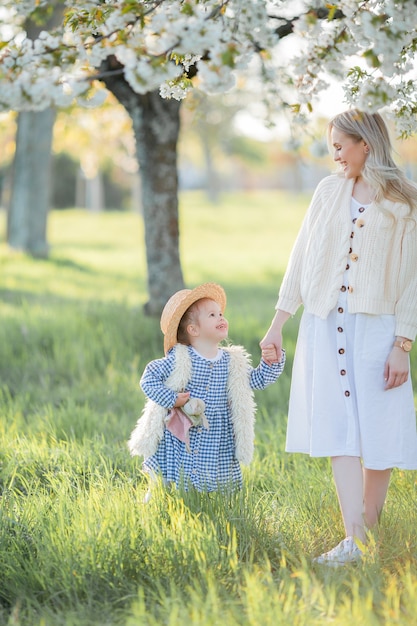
x: 198, y: 423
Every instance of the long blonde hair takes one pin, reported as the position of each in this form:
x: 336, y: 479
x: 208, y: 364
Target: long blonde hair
x: 380, y: 170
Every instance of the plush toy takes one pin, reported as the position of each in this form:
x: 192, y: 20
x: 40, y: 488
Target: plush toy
x: 180, y: 419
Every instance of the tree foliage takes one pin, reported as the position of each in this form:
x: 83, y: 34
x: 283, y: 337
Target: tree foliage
x: 172, y: 45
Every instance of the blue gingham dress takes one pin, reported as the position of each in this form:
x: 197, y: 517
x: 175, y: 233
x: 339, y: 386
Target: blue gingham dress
x: 211, y: 463
x: 338, y: 405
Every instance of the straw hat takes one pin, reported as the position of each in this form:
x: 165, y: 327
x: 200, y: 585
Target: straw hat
x: 180, y: 302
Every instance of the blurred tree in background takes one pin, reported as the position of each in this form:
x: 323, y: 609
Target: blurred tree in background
x: 30, y: 190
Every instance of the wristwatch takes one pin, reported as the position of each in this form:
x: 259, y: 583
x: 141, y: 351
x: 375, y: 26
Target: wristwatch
x: 405, y: 345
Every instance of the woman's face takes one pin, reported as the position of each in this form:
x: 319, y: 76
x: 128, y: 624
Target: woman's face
x: 350, y: 154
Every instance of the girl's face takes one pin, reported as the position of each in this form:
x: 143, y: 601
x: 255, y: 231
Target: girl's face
x: 211, y: 325
x: 350, y: 154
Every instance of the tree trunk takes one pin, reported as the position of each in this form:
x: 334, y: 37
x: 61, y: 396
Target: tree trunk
x: 30, y: 195
x: 95, y: 193
x: 212, y: 182
x: 156, y: 124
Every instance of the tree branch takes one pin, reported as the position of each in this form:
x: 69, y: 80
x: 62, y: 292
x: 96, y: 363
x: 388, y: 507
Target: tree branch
x: 287, y: 27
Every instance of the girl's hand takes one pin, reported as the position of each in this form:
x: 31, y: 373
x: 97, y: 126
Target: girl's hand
x: 271, y: 346
x: 396, y: 368
x: 274, y: 337
x: 182, y: 398
x: 269, y: 354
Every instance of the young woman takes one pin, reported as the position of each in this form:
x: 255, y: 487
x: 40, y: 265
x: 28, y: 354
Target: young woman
x: 354, y: 268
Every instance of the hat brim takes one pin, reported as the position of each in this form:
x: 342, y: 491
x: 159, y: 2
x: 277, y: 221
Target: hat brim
x: 180, y: 302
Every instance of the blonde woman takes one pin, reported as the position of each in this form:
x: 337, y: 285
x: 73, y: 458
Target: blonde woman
x: 354, y: 269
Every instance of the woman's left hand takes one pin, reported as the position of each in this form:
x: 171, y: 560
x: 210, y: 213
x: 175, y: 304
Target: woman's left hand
x: 396, y: 368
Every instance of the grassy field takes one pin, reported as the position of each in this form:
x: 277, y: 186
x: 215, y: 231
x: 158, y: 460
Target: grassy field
x: 77, y: 545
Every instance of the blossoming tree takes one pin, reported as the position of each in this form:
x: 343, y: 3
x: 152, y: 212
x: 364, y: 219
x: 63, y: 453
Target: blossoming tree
x: 150, y: 53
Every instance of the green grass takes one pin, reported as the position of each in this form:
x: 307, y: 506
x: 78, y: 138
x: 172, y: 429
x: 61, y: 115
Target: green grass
x: 77, y: 545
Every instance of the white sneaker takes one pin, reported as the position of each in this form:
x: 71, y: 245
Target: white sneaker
x: 345, y: 552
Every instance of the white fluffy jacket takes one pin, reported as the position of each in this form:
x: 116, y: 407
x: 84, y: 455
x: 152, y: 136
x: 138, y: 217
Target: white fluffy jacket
x: 383, y: 278
x: 150, y: 427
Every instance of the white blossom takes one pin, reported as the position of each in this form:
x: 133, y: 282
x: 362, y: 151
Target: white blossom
x: 174, y: 90
x: 370, y: 50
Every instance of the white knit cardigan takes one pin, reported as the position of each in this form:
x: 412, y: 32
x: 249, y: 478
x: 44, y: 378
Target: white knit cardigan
x: 150, y: 427
x: 383, y: 277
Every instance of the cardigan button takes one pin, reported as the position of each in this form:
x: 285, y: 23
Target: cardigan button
x: 354, y: 256
x: 360, y: 223
x: 350, y: 289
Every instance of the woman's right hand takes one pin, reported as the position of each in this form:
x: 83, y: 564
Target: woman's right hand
x: 274, y: 335
x: 272, y: 339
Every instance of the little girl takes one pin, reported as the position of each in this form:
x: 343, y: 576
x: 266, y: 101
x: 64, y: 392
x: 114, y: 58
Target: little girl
x: 207, y: 455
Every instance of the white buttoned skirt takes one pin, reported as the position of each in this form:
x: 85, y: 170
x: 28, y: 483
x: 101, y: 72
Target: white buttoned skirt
x: 338, y: 404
